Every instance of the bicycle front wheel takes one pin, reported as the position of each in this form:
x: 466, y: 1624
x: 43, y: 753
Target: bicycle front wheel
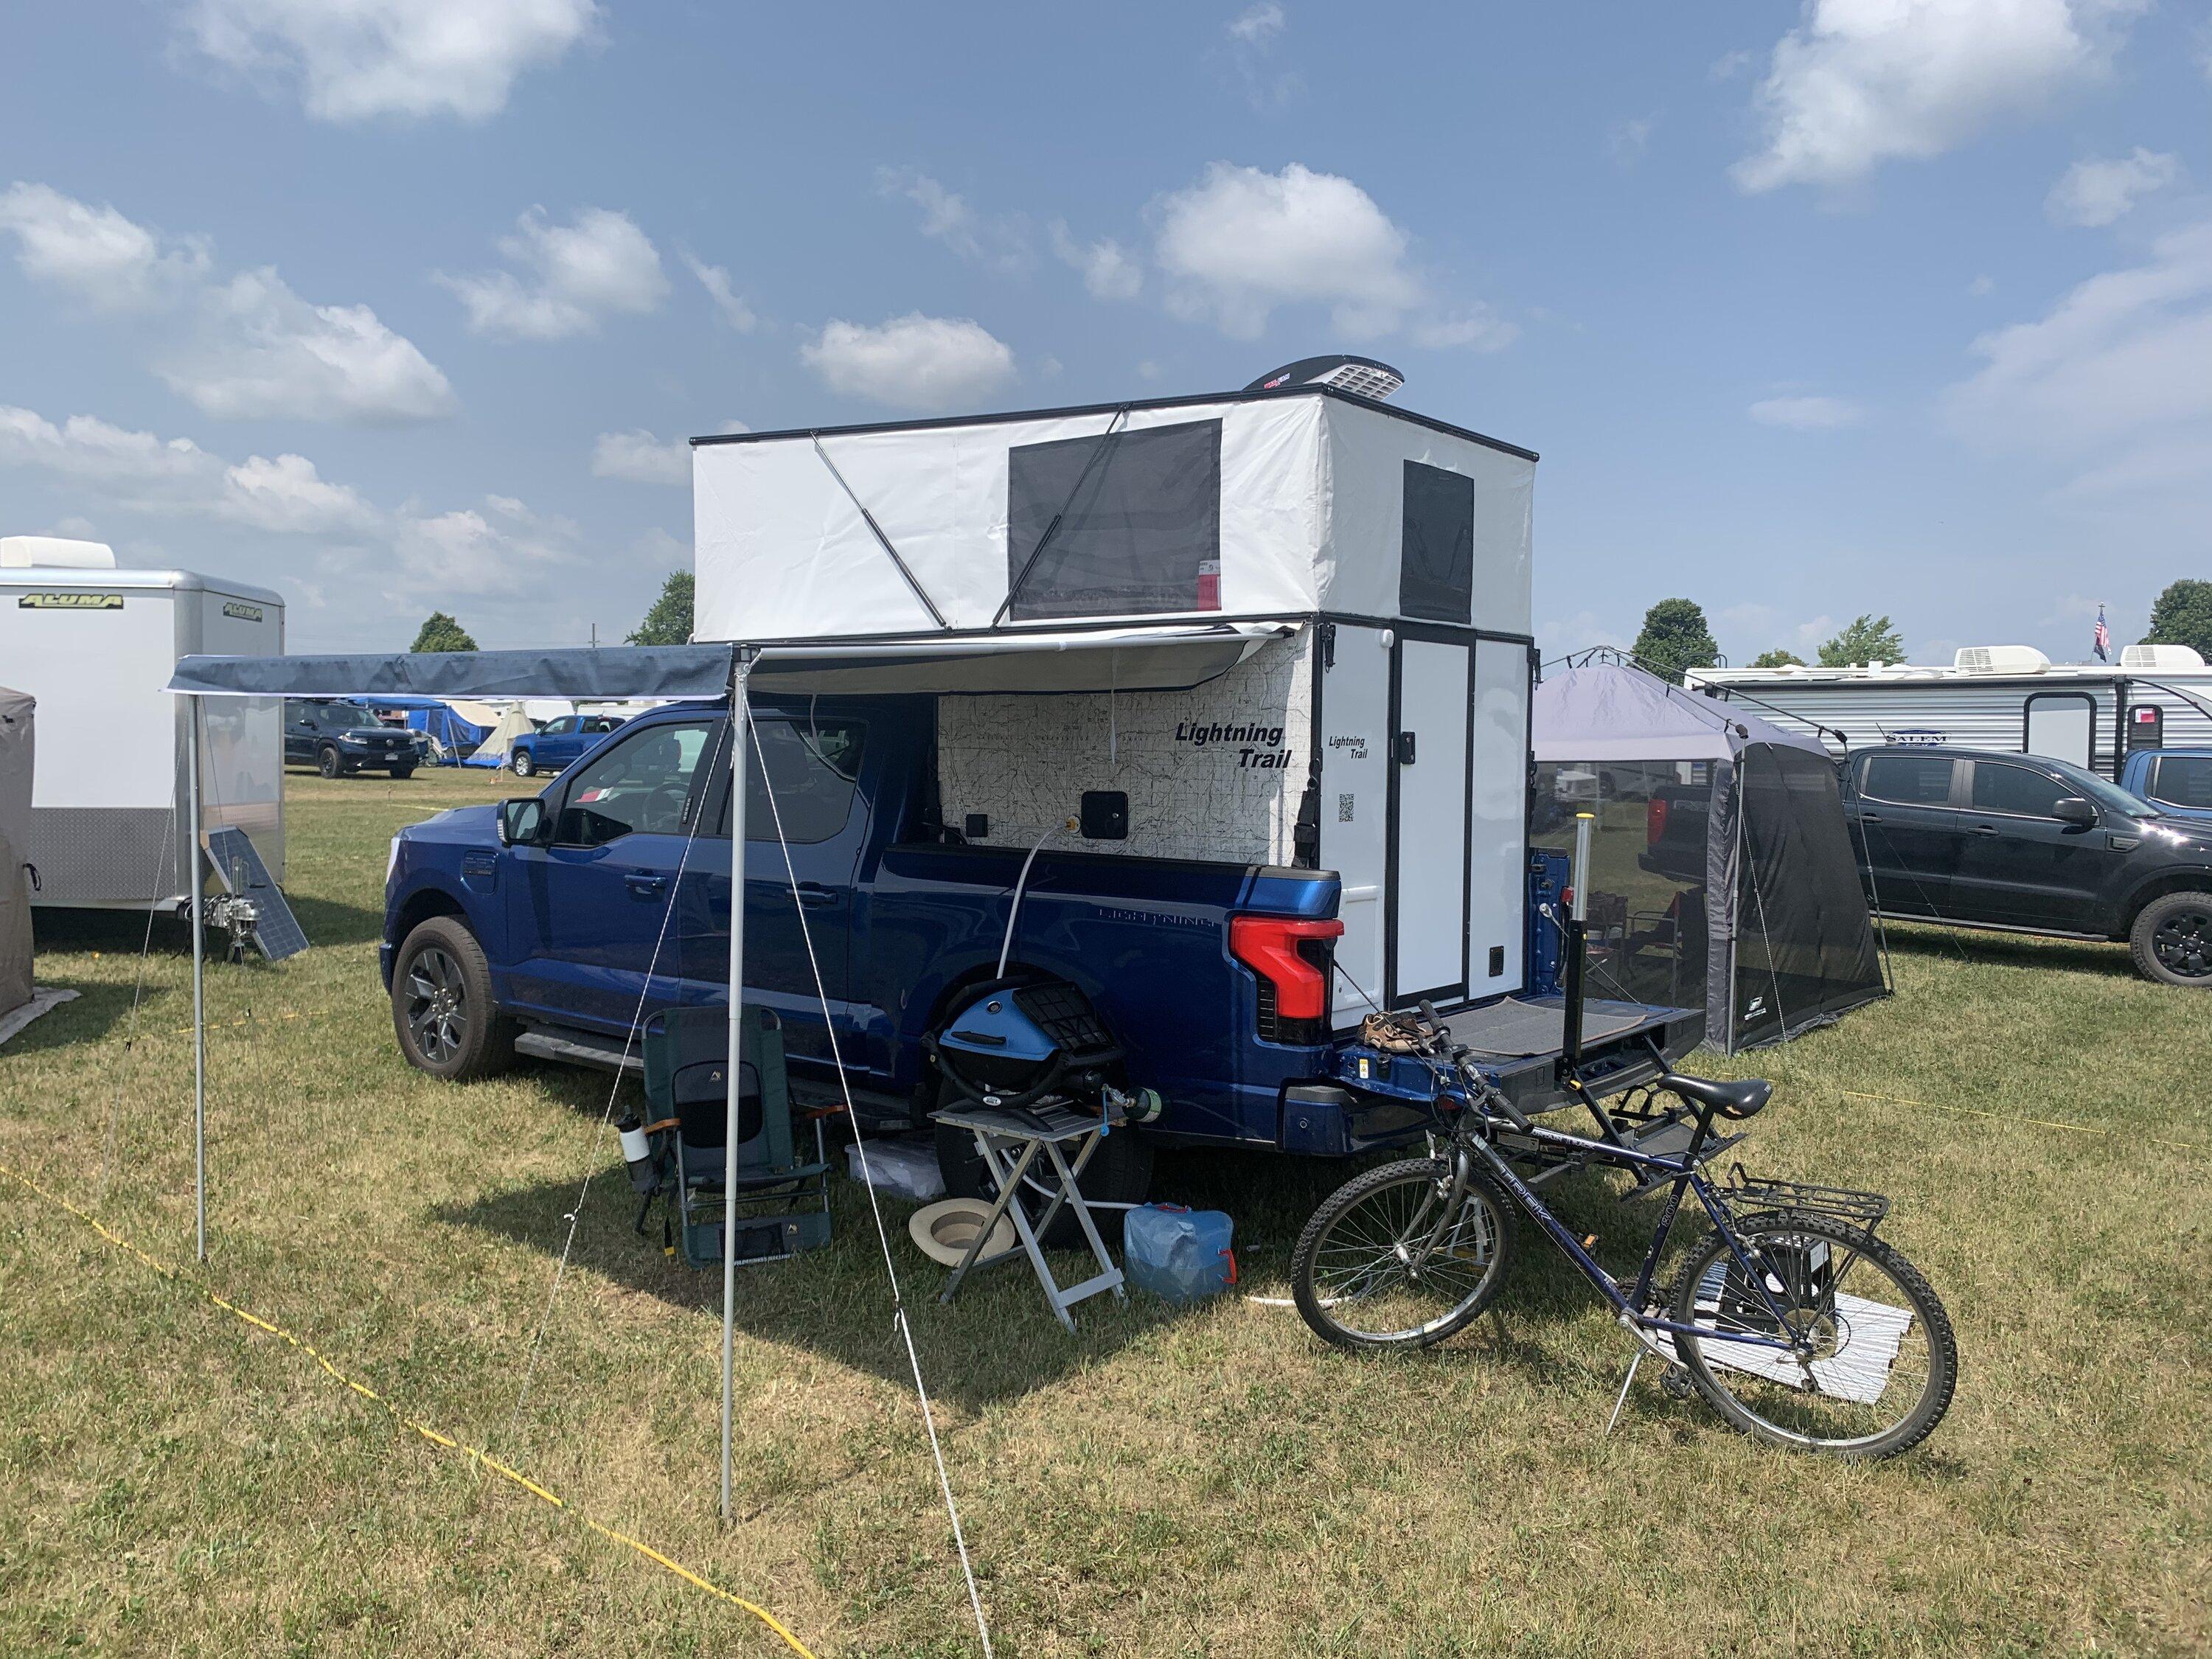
x: 1380, y: 1266
x: 1880, y: 1363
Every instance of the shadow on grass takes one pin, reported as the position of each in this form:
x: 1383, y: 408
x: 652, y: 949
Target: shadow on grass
x: 125, y: 933
x: 1946, y: 945
x: 96, y: 1011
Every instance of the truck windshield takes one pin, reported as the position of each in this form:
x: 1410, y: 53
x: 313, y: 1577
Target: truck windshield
x: 337, y: 717
x: 2107, y: 795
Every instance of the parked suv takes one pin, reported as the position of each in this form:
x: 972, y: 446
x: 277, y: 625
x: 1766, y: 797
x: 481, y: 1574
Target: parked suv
x: 339, y: 739
x: 2037, y: 846
x: 559, y: 743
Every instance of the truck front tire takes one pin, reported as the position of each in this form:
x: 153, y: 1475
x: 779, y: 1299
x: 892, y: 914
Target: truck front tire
x: 2172, y: 940
x: 1120, y: 1172
x: 327, y: 761
x: 522, y: 764
x: 442, y: 1010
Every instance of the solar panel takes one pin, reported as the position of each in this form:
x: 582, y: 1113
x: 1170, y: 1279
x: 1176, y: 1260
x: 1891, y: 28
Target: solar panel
x: 238, y: 866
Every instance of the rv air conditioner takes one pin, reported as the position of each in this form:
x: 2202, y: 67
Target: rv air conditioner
x: 2160, y: 659
x: 2000, y: 660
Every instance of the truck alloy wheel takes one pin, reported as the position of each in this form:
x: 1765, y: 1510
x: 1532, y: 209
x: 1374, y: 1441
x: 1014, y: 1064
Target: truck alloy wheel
x: 2171, y: 939
x: 522, y: 763
x: 442, y: 1008
x: 327, y: 761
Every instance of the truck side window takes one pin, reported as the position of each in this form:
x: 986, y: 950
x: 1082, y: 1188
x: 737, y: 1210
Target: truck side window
x: 813, y: 767
x: 1908, y: 780
x: 2018, y: 790
x: 643, y: 783
x: 2182, y: 780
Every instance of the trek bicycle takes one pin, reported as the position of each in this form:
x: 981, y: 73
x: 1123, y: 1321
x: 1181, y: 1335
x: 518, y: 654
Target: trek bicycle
x: 1790, y: 1317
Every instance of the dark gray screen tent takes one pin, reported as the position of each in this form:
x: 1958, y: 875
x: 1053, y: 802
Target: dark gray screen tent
x: 1722, y: 871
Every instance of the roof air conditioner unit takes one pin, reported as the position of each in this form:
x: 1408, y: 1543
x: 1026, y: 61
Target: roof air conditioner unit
x: 2154, y: 659
x: 2000, y: 660
x: 54, y: 553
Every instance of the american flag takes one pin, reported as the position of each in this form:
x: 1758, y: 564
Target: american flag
x: 2104, y: 637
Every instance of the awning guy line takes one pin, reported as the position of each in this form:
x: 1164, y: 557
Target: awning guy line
x: 919, y: 593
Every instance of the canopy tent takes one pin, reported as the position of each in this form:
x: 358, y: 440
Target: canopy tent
x: 1160, y: 656
x: 1722, y: 873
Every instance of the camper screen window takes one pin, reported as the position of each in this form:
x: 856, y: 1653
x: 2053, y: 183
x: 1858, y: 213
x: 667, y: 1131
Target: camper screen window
x: 1436, y: 562
x: 1119, y: 525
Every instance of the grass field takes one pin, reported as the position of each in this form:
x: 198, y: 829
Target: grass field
x: 1210, y: 1481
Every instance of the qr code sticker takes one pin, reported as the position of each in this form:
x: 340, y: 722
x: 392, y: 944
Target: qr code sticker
x: 1344, y: 808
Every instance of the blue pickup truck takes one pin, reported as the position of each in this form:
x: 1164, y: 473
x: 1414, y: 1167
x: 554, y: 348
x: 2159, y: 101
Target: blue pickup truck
x: 559, y: 743
x: 2178, y: 781
x: 550, y: 925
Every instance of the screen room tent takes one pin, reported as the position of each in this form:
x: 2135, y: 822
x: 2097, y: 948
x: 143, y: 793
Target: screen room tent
x: 1722, y: 871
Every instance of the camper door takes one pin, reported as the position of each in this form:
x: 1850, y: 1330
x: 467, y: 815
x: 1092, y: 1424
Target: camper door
x: 1424, y: 809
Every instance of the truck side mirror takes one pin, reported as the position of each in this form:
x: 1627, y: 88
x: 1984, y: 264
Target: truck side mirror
x: 522, y: 821
x: 2075, y: 810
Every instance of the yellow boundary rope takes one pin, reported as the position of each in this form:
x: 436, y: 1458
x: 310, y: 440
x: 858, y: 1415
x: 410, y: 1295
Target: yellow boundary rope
x: 169, y: 1271
x: 2031, y: 1122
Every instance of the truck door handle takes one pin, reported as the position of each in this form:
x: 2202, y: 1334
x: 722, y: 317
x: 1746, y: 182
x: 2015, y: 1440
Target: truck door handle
x: 1870, y: 817
x: 1987, y: 829
x: 1405, y: 749
x: 814, y: 894
x: 646, y: 886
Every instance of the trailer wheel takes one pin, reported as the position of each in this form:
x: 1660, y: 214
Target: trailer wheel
x: 442, y: 1010
x: 1120, y: 1172
x: 2172, y: 940
x: 327, y: 761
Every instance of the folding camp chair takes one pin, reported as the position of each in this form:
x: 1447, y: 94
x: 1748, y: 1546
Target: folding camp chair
x: 782, y: 1199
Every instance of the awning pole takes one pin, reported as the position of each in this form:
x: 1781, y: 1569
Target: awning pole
x: 740, y: 740
x: 199, y: 985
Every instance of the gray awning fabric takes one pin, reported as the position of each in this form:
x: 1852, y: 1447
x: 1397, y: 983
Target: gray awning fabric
x: 615, y: 672
x: 1610, y: 712
x: 1167, y: 657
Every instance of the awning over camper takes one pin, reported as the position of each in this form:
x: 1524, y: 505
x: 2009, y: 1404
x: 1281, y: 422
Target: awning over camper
x: 1608, y: 712
x: 1166, y: 657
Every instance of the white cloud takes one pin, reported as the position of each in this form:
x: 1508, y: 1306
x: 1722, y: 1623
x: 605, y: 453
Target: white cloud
x: 1109, y: 271
x: 599, y: 264
x: 1729, y: 64
x: 1252, y: 35
x: 2098, y: 192
x: 1862, y: 81
x: 1257, y: 25
x: 144, y: 473
x: 912, y: 362
x: 247, y: 347
x: 496, y: 551
x: 356, y: 59
x: 1981, y: 285
x: 1628, y: 140
x: 261, y: 351
x: 2113, y: 380
x: 1149, y: 370
x: 1807, y: 414
x: 1239, y: 242
x: 641, y: 458
x: 729, y: 304
x: 95, y: 253
x: 1476, y: 327
x: 1002, y: 241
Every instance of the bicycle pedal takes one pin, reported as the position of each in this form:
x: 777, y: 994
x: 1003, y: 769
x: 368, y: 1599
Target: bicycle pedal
x: 1675, y: 1382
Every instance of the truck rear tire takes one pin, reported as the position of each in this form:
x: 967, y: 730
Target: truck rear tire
x: 2172, y: 940
x: 1120, y: 1172
x: 442, y: 1010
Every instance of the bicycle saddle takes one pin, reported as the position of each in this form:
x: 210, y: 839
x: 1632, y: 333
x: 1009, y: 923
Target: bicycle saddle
x: 1745, y: 1099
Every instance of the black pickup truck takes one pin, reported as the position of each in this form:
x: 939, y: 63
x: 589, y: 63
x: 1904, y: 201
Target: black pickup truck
x: 2021, y: 842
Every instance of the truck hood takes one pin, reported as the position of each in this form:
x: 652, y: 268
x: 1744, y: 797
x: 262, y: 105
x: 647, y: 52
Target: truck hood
x: 2190, y: 835
x: 476, y: 825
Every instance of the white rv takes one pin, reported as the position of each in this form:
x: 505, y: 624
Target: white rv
x: 1991, y: 697
x: 96, y: 646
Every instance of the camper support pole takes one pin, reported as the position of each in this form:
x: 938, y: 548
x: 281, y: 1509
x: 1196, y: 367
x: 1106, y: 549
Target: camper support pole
x: 740, y: 743
x: 1570, y: 1033
x: 196, y: 888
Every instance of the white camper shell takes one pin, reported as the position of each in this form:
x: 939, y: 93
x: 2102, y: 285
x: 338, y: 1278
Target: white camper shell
x: 96, y: 646
x: 1994, y: 697
x: 1365, y: 570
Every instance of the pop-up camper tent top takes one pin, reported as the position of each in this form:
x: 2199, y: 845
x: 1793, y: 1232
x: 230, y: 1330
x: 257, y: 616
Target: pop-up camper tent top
x: 1384, y: 734
x: 1721, y: 874
x: 95, y: 645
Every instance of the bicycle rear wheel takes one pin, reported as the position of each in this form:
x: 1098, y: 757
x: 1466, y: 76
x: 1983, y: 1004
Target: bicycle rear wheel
x: 1352, y: 1275
x: 1884, y: 1362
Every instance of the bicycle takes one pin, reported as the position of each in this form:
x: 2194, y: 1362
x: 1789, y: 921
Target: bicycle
x: 1790, y: 1318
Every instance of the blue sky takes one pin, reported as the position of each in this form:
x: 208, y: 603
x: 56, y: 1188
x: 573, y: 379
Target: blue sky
x: 1899, y: 306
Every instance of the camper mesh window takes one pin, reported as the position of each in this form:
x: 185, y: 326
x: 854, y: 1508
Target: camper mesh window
x: 1120, y: 524
x: 1435, y: 559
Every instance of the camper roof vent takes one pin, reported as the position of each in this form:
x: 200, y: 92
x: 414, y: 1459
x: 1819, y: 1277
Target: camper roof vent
x: 54, y: 553
x: 2152, y: 658
x: 1361, y: 375
x: 2000, y: 660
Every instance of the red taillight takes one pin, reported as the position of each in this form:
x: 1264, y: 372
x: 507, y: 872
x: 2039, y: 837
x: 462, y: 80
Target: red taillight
x: 1268, y: 946
x: 1655, y: 822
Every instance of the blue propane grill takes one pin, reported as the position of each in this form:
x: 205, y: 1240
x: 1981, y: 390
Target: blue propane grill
x: 1014, y: 1042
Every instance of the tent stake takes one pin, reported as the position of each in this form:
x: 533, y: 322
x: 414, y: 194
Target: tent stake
x: 740, y: 738
x: 199, y: 987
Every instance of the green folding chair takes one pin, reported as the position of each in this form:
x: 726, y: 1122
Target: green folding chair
x: 782, y: 1197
